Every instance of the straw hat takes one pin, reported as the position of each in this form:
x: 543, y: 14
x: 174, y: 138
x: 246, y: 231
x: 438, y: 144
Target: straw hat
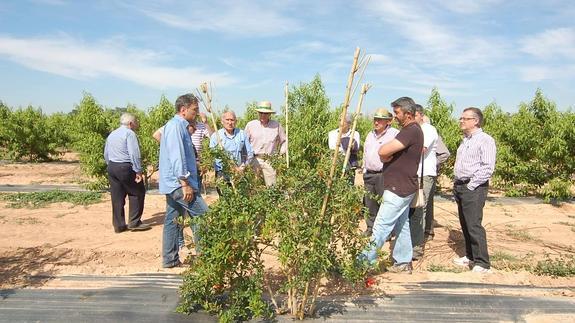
x: 382, y: 113
x: 265, y: 107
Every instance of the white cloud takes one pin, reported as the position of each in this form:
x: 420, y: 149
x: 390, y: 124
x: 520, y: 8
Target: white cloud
x: 246, y: 18
x: 550, y: 44
x: 73, y: 58
x: 466, y: 6
x: 536, y: 73
x: 432, y: 43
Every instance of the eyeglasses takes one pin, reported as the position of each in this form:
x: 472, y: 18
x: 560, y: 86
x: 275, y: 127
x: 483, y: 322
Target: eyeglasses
x: 465, y: 119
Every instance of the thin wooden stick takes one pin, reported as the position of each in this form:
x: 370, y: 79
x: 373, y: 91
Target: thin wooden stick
x: 206, y: 90
x: 362, y: 68
x: 287, y: 124
x: 364, y: 90
x: 272, y: 296
x: 315, y: 293
x: 338, y: 141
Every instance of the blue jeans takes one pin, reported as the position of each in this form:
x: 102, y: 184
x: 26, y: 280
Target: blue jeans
x: 393, y: 216
x: 175, y: 206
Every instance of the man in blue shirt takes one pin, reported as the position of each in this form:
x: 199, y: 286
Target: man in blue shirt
x: 122, y: 155
x: 179, y: 177
x: 235, y: 142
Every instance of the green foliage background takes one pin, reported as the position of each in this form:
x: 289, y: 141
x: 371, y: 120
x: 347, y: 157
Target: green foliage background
x: 535, y: 145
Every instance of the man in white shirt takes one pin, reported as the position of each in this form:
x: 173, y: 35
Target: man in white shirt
x: 346, y: 138
x: 417, y: 216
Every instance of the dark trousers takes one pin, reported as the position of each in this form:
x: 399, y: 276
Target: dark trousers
x: 123, y: 182
x: 373, y: 184
x: 470, y: 209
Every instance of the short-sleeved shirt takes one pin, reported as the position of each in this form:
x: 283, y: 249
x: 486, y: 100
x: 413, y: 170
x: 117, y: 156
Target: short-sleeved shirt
x: 400, y: 174
x: 266, y: 140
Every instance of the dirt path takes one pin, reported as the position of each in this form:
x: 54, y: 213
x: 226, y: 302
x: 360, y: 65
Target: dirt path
x: 61, y: 239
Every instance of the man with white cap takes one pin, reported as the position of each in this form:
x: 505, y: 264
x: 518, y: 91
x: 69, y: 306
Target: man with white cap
x: 266, y: 137
x: 382, y: 133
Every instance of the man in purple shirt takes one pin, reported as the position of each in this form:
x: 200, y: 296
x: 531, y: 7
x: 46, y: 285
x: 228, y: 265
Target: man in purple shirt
x: 474, y: 165
x: 382, y: 133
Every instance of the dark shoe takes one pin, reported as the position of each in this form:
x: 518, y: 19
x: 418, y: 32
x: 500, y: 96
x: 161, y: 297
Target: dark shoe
x: 120, y: 229
x: 140, y: 227
x: 400, y: 268
x: 417, y: 253
x: 174, y: 265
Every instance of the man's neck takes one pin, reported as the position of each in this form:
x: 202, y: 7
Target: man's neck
x: 230, y: 132
x: 380, y: 132
x: 470, y: 132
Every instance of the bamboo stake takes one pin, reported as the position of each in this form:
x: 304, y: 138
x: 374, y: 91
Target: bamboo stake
x: 287, y: 124
x: 341, y: 122
x: 207, y: 93
x: 206, y: 90
x: 364, y: 90
x: 315, y: 293
x: 362, y: 67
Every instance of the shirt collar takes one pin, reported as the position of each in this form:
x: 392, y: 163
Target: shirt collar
x: 474, y: 133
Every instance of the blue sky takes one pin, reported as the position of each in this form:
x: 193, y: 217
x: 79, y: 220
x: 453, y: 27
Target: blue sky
x: 133, y: 51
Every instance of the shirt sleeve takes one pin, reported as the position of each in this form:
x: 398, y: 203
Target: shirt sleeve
x: 486, y: 165
x: 106, y: 158
x: 282, y: 139
x: 175, y: 145
x: 134, y: 151
x: 249, y: 150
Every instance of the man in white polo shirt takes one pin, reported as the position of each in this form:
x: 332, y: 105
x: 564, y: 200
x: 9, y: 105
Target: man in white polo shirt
x: 417, y: 216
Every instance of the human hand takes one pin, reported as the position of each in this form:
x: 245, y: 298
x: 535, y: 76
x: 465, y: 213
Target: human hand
x: 139, y: 177
x: 188, y: 193
x: 203, y: 117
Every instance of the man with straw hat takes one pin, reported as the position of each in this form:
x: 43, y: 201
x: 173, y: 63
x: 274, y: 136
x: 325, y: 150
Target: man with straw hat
x: 266, y: 137
x: 381, y: 134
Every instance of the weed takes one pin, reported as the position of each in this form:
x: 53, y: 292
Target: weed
x: 566, y: 223
x: 443, y: 268
x: 564, y: 266
x: 40, y: 199
x: 519, y: 234
x: 27, y: 221
x: 502, y: 260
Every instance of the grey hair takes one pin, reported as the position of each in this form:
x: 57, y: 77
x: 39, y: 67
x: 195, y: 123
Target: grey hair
x: 405, y: 104
x: 185, y: 101
x: 478, y: 114
x: 228, y: 112
x: 126, y: 118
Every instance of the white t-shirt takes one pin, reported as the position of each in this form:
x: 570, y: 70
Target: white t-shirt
x: 430, y: 142
x: 332, y: 138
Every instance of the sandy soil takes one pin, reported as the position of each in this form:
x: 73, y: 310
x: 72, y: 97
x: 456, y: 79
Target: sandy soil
x: 61, y: 239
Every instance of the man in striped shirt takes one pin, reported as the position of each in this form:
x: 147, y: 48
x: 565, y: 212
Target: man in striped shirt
x: 474, y: 165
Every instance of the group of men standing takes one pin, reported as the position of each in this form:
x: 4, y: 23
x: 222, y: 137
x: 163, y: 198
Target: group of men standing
x: 179, y: 177
x: 393, y: 163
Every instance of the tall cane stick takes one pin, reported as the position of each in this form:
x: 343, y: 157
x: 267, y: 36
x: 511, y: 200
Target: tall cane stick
x: 341, y: 122
x: 286, y: 92
x: 364, y: 89
x: 206, y: 90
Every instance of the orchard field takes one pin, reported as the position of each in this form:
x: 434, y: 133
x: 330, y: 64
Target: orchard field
x: 280, y: 242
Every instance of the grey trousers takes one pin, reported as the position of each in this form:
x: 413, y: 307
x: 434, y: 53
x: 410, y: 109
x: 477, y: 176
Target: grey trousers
x: 470, y: 209
x: 373, y: 184
x: 417, y: 220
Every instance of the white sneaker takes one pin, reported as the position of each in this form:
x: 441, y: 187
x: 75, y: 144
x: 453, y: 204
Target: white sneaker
x: 479, y: 269
x: 463, y: 261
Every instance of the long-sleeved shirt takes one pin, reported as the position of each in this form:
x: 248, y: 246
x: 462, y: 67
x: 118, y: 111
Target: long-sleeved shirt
x: 430, y: 136
x: 475, y: 159
x: 177, y: 157
x: 371, y: 160
x: 266, y: 140
x: 122, y: 147
x: 237, y: 145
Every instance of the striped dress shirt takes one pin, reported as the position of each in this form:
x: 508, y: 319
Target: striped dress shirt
x: 475, y: 159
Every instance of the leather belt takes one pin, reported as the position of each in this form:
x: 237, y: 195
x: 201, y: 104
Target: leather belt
x: 374, y: 171
x: 461, y: 181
